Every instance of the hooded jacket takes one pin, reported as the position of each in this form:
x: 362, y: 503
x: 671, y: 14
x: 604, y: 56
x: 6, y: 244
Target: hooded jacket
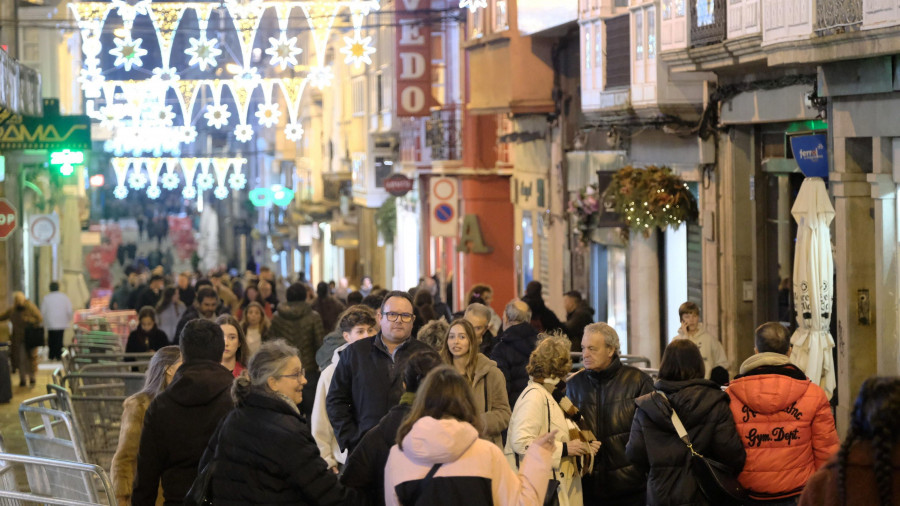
x: 606, y: 400
x: 321, y: 426
x: 265, y: 454
x: 489, y: 388
x: 474, y: 472
x: 177, y: 428
x: 325, y: 353
x: 785, y: 423
x: 654, y: 445
x: 862, y: 488
x: 511, y: 355
x: 300, y: 326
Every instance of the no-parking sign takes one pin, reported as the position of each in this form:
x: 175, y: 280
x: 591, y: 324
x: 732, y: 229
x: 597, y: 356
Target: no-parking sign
x: 444, y: 198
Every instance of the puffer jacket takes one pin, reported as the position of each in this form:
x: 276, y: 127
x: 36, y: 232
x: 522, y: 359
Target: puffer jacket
x: 606, y: 400
x: 300, y: 326
x: 474, y: 472
x: 511, y: 355
x: 489, y: 387
x: 264, y: 454
x: 655, y: 447
x: 785, y: 423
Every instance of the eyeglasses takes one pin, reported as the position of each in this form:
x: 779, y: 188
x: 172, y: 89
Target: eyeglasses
x: 404, y: 317
x: 296, y: 375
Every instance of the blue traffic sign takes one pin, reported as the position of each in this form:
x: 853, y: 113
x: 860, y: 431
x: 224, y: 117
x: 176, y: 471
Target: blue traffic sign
x: 443, y: 213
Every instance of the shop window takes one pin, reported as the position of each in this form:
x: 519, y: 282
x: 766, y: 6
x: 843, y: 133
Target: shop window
x: 477, y: 23
x: 501, y: 16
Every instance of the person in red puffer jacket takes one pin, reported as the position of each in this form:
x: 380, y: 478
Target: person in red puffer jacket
x: 783, y: 419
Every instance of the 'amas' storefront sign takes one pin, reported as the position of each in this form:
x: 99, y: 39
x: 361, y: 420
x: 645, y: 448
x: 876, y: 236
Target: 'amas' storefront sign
x: 51, y: 131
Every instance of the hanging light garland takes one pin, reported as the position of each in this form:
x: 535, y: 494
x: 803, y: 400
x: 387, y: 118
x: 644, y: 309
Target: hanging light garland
x: 138, y: 179
x: 473, y: 5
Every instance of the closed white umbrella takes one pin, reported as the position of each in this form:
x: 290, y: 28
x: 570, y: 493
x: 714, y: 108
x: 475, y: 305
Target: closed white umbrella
x: 814, y: 284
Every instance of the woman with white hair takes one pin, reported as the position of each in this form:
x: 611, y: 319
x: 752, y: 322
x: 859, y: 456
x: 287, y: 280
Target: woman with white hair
x: 23, y: 314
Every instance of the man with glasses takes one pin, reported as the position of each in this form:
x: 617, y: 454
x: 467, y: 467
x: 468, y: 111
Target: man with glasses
x: 367, y: 379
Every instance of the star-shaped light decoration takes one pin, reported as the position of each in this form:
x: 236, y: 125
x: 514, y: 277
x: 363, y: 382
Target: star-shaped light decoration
x: 188, y: 134
x: 188, y: 192
x: 203, y: 52
x: 166, y: 75
x: 243, y: 133
x: 154, y: 192
x: 137, y: 180
x: 120, y: 192
x: 205, y: 181
x: 221, y: 192
x: 283, y: 51
x: 237, y: 181
x: 321, y: 77
x: 217, y: 115
x: 357, y: 50
x: 472, y: 5
x: 293, y: 132
x: 268, y: 114
x: 170, y: 180
x: 128, y: 52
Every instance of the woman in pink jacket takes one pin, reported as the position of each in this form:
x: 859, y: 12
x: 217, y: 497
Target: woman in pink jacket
x: 439, y: 458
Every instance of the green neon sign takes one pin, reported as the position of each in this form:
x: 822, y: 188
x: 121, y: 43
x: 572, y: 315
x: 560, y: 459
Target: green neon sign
x: 67, y: 160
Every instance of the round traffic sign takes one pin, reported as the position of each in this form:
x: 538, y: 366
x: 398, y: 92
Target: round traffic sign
x: 43, y: 230
x: 443, y: 189
x: 8, y: 219
x: 443, y: 213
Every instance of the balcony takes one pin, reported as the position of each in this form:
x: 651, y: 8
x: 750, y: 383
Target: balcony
x: 708, y: 22
x: 880, y: 13
x: 444, y: 134
x: 787, y: 20
x: 743, y: 18
x: 838, y: 16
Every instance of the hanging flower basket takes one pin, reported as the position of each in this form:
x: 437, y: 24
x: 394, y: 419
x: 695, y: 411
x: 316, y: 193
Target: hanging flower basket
x: 654, y: 197
x: 586, y: 210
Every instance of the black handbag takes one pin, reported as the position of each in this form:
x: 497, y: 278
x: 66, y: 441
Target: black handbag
x: 200, y: 493
x: 34, y: 336
x: 717, y: 481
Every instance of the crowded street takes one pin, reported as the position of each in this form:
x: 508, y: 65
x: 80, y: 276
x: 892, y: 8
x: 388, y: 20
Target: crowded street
x: 449, y: 252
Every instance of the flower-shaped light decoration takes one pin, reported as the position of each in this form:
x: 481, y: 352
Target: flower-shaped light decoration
x: 243, y: 133
x: 170, y: 180
x: 188, y: 134
x: 109, y: 116
x: 472, y: 5
x: 120, y: 192
x: 189, y: 192
x: 321, y: 77
x: 205, y: 181
x: 203, y: 51
x: 129, y: 10
x: 164, y: 115
x: 283, y: 51
x: 221, y: 192
x: 166, y: 75
x: 137, y: 180
x: 91, y: 80
x: 237, y: 181
x: 268, y: 114
x: 128, y: 52
x: 154, y: 192
x: 217, y: 115
x: 250, y: 76
x: 357, y: 49
x: 293, y: 132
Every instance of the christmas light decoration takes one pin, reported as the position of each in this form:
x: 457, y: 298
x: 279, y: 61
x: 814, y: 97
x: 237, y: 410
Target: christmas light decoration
x: 170, y: 180
x: 283, y: 51
x: 137, y: 180
x: 203, y: 52
x: 217, y: 115
x: 357, y: 50
x: 154, y: 166
x: 473, y: 5
x: 120, y: 168
x: 128, y: 52
x: 189, y: 168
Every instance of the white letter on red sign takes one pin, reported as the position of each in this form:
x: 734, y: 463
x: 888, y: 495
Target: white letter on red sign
x: 412, y: 65
x: 412, y: 99
x: 411, y: 36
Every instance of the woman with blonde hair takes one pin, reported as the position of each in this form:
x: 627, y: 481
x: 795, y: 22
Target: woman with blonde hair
x: 255, y: 324
x: 439, y: 459
x: 25, y: 316
x: 461, y: 350
x: 537, y: 412
x: 162, y: 368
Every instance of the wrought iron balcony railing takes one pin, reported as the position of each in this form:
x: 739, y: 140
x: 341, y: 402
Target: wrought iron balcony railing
x: 708, y: 23
x: 444, y: 134
x: 838, y: 16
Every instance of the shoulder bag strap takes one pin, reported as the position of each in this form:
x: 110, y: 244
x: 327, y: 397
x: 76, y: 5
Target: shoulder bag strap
x: 424, y: 483
x: 679, y: 427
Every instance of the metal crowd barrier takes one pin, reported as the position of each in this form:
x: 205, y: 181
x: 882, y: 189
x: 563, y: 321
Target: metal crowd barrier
x: 89, y: 485
x: 75, y: 362
x: 49, y: 429
x: 642, y: 363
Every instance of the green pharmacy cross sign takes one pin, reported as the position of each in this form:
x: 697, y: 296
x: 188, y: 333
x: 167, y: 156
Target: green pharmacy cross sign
x: 67, y: 160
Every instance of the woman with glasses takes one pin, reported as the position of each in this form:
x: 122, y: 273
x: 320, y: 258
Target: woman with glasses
x: 461, y: 350
x: 263, y: 452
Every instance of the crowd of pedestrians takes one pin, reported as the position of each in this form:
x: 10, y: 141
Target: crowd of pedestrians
x: 264, y: 394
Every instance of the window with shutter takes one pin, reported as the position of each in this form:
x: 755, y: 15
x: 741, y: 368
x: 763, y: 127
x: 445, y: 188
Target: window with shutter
x: 618, y: 52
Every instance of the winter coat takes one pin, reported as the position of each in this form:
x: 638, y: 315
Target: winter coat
x: 168, y: 319
x: 302, y: 327
x: 264, y: 454
x: 542, y: 318
x: 322, y: 430
x: 654, y: 445
x: 511, y: 355
x: 488, y: 341
x: 576, y: 321
x: 367, y: 382
x: 325, y: 353
x: 177, y: 427
x: 329, y: 309
x: 606, y: 401
x: 21, y: 317
x: 530, y: 420
x: 474, y: 471
x: 364, y: 470
x: 710, y: 349
x: 124, y: 462
x: 785, y: 423
x: 489, y: 388
x: 862, y: 489
x: 140, y: 341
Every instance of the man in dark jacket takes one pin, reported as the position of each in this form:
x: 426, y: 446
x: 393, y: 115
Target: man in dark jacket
x: 151, y: 293
x: 604, y: 391
x: 302, y: 328
x: 180, y: 421
x: 514, y: 347
x: 328, y: 307
x: 204, y: 308
x: 543, y: 319
x: 579, y: 314
x: 367, y: 379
